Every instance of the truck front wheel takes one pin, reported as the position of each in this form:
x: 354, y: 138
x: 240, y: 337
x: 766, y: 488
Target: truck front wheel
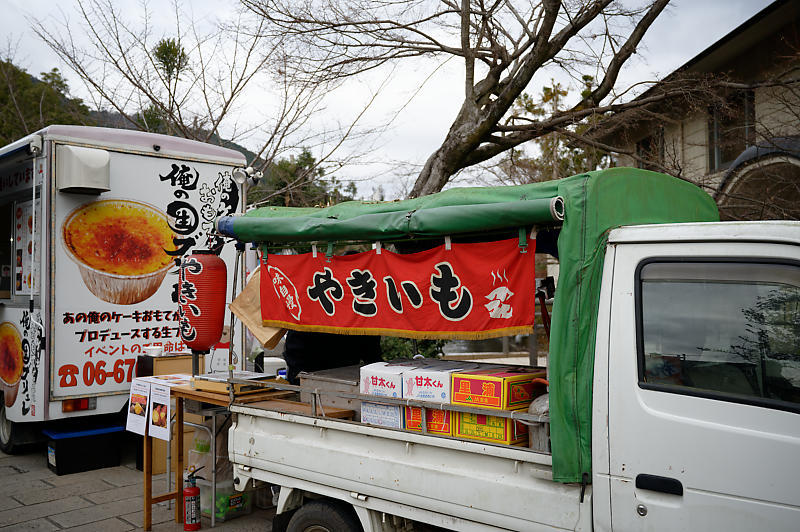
x: 324, y: 516
x: 8, y: 430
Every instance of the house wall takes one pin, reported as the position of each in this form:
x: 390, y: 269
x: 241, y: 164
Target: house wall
x: 695, y: 162
x: 685, y: 146
x: 777, y: 112
x: 777, y: 109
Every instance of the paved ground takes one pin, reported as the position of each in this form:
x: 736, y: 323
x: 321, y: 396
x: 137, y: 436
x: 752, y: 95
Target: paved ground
x: 34, y: 498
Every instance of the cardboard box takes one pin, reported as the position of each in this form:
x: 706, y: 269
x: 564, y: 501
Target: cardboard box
x: 383, y: 380
x: 382, y: 415
x: 429, y: 383
x: 436, y: 421
x: 488, y: 428
x: 510, y: 388
x: 168, y: 364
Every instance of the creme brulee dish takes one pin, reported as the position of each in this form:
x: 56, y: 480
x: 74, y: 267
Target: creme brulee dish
x: 10, y: 353
x: 10, y: 361
x: 120, y: 247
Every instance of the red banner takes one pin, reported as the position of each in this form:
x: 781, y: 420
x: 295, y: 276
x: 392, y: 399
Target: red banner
x: 470, y: 291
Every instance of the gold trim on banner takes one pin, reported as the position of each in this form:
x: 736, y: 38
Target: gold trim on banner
x: 403, y: 333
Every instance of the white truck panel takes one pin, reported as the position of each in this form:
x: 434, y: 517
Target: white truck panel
x: 89, y: 343
x: 737, y: 463
x: 508, y: 488
x: 601, y: 482
x: 763, y: 231
x: 95, y: 339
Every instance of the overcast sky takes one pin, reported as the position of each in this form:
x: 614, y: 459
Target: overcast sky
x: 686, y: 29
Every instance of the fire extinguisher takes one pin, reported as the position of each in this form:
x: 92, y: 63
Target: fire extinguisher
x: 191, y: 503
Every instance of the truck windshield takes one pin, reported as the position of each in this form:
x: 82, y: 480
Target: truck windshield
x: 729, y: 329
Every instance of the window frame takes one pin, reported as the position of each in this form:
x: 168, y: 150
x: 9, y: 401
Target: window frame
x: 715, y: 118
x: 10, y: 201
x: 764, y: 402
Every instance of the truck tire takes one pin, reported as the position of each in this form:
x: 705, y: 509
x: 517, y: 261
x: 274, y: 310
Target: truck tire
x: 324, y: 516
x: 8, y: 433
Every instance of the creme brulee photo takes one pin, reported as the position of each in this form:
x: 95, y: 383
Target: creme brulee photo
x: 10, y: 361
x: 120, y: 247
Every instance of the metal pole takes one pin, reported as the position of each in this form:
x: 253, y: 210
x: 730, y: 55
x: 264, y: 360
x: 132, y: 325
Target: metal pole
x: 533, y: 349
x: 243, y: 281
x: 213, y: 507
x: 230, y: 342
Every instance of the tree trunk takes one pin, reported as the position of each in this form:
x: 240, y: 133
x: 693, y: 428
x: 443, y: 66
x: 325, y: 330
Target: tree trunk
x: 464, y: 136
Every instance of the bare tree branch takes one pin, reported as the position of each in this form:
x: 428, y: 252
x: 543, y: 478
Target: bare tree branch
x: 503, y: 43
x: 195, y: 83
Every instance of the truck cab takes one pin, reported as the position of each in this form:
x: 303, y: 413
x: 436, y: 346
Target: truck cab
x: 697, y: 378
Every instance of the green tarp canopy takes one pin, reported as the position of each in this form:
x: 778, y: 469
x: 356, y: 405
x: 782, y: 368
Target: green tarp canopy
x: 593, y: 204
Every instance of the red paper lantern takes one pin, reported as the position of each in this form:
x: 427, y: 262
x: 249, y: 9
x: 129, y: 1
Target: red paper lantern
x: 203, y: 279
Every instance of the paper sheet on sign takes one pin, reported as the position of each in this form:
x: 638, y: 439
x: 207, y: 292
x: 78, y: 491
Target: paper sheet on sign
x: 139, y: 405
x: 159, y: 413
x: 247, y: 307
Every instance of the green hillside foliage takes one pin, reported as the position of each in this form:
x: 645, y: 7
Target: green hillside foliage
x: 298, y: 181
x: 28, y: 104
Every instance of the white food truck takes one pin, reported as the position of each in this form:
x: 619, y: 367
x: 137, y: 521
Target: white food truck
x: 674, y: 374
x: 93, y: 220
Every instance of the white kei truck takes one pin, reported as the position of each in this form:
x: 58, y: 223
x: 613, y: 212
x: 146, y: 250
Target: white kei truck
x: 674, y: 375
x: 93, y: 220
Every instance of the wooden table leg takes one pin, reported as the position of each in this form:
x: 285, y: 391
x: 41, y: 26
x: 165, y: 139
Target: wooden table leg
x: 147, y: 465
x: 179, y: 459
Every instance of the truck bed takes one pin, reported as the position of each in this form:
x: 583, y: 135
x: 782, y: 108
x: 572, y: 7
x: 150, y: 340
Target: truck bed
x: 442, y: 481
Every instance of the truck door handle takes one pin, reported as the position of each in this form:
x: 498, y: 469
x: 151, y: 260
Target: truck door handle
x: 656, y: 483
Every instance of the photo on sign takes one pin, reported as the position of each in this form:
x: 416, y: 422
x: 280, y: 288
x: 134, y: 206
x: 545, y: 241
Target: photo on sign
x: 11, y: 361
x: 138, y: 404
x: 138, y: 399
x: 158, y: 419
x: 121, y: 248
x: 160, y: 415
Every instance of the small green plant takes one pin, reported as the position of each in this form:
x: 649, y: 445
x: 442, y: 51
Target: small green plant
x: 393, y: 347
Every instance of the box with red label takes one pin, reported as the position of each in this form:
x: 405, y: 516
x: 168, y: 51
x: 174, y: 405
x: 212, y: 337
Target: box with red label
x: 383, y: 380
x: 488, y: 428
x: 509, y: 388
x: 428, y: 384
x: 437, y: 421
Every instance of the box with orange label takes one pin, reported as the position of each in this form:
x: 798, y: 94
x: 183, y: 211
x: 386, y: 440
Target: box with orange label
x: 428, y: 383
x: 488, y: 428
x: 437, y: 421
x: 507, y: 388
